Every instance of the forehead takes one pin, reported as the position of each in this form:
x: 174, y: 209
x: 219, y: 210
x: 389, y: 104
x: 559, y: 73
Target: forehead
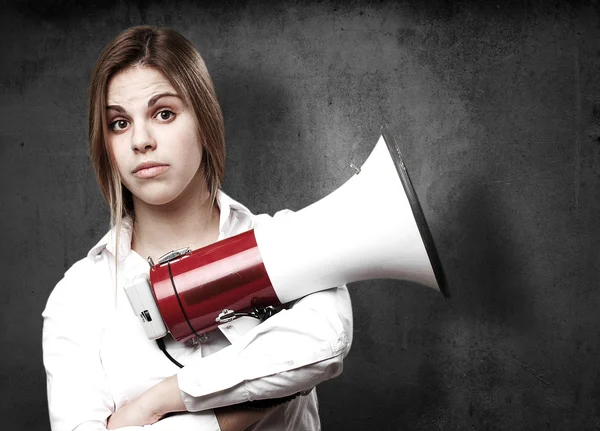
x: 138, y: 83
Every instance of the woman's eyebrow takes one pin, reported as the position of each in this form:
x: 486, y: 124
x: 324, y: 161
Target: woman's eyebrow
x: 151, y: 102
x: 115, y: 108
x: 154, y: 99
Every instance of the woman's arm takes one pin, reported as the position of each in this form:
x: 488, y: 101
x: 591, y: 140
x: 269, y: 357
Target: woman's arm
x: 165, y: 397
x: 79, y: 396
x: 291, y: 352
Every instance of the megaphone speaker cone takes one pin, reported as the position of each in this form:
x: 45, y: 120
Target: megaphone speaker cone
x: 417, y: 211
x: 372, y: 227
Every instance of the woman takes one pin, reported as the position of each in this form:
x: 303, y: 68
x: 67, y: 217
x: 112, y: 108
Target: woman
x: 157, y: 145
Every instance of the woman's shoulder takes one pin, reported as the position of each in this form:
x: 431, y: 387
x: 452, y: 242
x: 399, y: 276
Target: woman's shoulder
x: 241, y: 218
x: 84, y: 282
x: 88, y: 266
x: 254, y: 220
x: 260, y: 218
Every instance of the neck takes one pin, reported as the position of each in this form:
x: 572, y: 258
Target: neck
x: 192, y: 221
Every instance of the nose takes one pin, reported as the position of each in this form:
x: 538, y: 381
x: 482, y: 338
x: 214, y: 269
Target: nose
x: 142, y: 140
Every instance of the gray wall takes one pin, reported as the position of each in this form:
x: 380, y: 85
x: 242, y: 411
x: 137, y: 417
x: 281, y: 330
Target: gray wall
x: 497, y: 110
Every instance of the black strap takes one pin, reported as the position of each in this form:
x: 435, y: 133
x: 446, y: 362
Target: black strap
x: 179, y: 301
x: 163, y: 348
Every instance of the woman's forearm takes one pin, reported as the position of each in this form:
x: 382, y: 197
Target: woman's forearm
x: 152, y: 405
x: 166, y: 398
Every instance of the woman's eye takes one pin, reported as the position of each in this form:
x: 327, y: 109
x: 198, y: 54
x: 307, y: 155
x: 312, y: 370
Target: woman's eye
x: 165, y: 115
x: 119, y: 125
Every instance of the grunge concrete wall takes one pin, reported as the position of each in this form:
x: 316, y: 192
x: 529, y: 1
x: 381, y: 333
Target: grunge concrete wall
x: 496, y: 106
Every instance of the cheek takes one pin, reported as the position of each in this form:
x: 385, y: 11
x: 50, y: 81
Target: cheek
x: 118, y: 154
x: 191, y: 149
x: 198, y: 146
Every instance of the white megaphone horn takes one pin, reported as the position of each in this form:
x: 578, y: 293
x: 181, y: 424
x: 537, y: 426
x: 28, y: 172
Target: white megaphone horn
x: 372, y: 227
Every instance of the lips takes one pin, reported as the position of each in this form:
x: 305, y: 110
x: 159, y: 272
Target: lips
x: 149, y: 169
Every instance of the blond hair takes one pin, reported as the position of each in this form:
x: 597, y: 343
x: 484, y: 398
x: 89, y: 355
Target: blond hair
x: 172, y: 54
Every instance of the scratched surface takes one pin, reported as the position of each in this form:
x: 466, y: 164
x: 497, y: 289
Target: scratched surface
x: 497, y: 111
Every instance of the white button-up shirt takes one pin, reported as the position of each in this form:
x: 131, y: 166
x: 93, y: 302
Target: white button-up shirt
x: 98, y: 358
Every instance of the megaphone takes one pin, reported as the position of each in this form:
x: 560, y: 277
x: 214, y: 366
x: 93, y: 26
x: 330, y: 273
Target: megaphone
x: 372, y: 227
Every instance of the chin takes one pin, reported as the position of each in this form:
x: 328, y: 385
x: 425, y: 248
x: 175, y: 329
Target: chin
x: 157, y: 198
x: 165, y: 193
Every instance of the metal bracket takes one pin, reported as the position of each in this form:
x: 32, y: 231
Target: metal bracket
x: 226, y: 315
x: 174, y: 254
x: 356, y: 169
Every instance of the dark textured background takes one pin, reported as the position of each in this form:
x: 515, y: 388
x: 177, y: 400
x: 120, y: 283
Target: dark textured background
x: 497, y: 109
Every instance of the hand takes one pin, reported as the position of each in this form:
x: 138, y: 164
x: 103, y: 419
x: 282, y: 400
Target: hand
x: 153, y: 404
x: 135, y: 413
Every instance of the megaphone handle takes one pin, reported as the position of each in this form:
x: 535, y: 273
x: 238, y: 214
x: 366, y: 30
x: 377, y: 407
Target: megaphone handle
x: 260, y: 313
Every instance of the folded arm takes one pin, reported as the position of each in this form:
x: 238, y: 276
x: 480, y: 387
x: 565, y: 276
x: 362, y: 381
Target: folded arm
x: 79, y: 396
x: 291, y: 352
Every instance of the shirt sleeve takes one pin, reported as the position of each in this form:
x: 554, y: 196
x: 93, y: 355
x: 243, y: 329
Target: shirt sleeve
x: 79, y: 397
x: 292, y: 351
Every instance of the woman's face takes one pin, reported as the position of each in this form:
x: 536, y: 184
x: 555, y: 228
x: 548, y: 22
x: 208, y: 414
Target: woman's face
x: 153, y: 136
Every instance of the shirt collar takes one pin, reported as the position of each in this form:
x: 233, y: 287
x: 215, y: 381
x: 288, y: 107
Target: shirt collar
x: 108, y: 241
